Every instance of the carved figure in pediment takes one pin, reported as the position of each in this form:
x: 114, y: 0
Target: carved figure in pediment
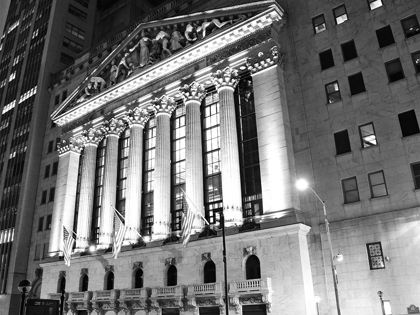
x: 214, y: 22
x: 155, y: 52
x: 191, y: 33
x: 123, y: 68
x: 114, y: 73
x: 162, y: 39
x: 143, y: 46
x: 176, y: 38
x: 98, y: 84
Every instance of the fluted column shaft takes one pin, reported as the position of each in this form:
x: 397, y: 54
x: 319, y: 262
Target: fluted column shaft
x: 231, y: 176
x: 87, y: 190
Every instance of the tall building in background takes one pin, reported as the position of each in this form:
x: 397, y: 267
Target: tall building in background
x: 4, y: 7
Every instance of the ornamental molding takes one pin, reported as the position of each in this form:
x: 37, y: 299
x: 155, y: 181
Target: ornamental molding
x: 163, y: 105
x: 93, y: 136
x: 72, y: 145
x: 171, y: 261
x: 114, y: 126
x: 228, y: 77
x: 138, y: 265
x: 138, y: 116
x: 206, y: 257
x: 193, y: 92
x: 264, y: 60
x: 248, y: 251
x: 61, y: 274
x: 109, y: 268
x: 84, y: 271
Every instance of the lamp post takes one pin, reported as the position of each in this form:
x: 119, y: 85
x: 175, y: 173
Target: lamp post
x: 302, y: 184
x: 24, y: 287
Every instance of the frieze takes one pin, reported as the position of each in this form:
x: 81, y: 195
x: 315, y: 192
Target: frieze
x: 138, y: 265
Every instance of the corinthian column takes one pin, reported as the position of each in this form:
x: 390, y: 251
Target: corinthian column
x: 225, y: 82
x: 137, y: 120
x: 109, y: 194
x: 91, y: 138
x: 164, y: 108
x: 65, y: 193
x: 193, y: 95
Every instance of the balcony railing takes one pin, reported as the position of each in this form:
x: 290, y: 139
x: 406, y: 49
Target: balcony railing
x: 106, y: 295
x: 171, y: 291
x: 205, y: 289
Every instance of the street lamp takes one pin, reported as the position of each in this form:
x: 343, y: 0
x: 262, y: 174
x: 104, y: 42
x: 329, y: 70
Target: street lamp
x: 302, y: 184
x: 24, y: 287
x: 317, y: 300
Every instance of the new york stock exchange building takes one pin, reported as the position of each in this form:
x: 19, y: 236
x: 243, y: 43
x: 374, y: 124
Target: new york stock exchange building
x: 189, y: 110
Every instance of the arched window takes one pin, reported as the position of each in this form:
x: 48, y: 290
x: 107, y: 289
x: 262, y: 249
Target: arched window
x: 253, y: 270
x: 109, y: 284
x: 84, y: 283
x: 209, y: 272
x: 172, y: 275
x: 138, y: 279
x: 61, y: 284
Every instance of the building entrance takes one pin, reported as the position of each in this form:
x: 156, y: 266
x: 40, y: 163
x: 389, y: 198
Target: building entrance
x: 254, y: 309
x: 170, y: 311
x: 209, y: 311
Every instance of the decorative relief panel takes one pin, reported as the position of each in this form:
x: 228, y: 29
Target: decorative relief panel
x: 252, y: 250
x: 170, y: 261
x: 84, y: 271
x: 206, y: 257
x: 138, y: 265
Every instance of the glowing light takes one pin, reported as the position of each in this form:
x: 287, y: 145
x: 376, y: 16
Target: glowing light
x: 339, y: 257
x: 92, y: 248
x: 302, y: 184
x: 317, y: 299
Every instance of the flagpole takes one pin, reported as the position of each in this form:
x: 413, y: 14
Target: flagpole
x: 222, y: 218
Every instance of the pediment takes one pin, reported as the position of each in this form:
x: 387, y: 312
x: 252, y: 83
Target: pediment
x: 156, y: 49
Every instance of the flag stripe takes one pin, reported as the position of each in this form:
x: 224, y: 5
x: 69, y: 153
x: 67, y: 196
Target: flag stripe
x: 119, y: 236
x: 68, y: 241
x: 187, y: 223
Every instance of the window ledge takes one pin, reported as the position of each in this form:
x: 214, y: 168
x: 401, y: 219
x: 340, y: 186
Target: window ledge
x: 393, y: 83
x: 335, y: 104
x: 382, y: 49
x: 373, y: 199
x: 408, y: 138
x: 411, y: 39
x: 353, y: 205
x: 359, y: 95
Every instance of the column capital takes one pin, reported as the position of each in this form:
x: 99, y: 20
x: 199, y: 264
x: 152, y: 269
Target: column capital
x: 193, y: 92
x: 74, y: 144
x: 164, y: 105
x: 227, y: 77
x: 114, y: 126
x: 138, y: 116
x: 264, y: 60
x: 93, y: 136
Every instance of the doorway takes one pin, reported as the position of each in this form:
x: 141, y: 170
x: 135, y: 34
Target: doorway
x: 259, y: 309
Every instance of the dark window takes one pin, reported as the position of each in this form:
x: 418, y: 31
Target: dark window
x: 54, y: 168
x: 72, y: 45
x: 416, y: 60
x: 340, y: 14
x: 326, y: 59
x: 376, y: 258
x: 209, y: 272
x: 357, y: 84
x: 367, y: 135
x: 319, y: 24
x: 373, y: 4
x: 50, y: 146
x: 109, y: 284
x: 57, y: 143
x: 342, y: 142
x: 37, y: 252
x: 394, y: 70
x: 45, y: 251
x: 53, y: 125
x: 74, y: 30
x: 349, y: 50
x: 40, y: 223
x: 252, y: 268
x: 84, y: 3
x: 61, y: 284
x: 333, y: 92
x: 377, y: 184
x: 415, y: 168
x: 47, y: 171
x: 84, y: 283
x: 57, y: 99
x: 48, y: 223
x: 385, y: 36
x: 64, y: 95
x: 410, y: 26
x: 350, y: 190
x: 172, y: 276
x: 66, y: 59
x: 138, y: 279
x: 44, y: 197
x: 77, y: 12
x: 408, y: 123
x: 52, y: 193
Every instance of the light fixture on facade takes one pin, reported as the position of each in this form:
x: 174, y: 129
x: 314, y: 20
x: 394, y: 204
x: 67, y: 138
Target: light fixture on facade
x: 339, y: 257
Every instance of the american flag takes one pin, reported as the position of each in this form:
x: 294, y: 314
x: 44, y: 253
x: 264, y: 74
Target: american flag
x: 187, y: 223
x: 119, y: 236
x: 68, y: 241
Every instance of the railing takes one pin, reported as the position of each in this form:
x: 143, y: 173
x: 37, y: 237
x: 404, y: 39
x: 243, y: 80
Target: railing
x: 105, y: 295
x: 205, y: 289
x: 79, y: 296
x: 171, y: 291
x: 130, y: 294
x: 249, y: 284
x: 253, y: 285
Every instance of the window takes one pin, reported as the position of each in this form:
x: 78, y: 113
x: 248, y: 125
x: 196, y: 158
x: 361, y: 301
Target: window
x: 350, y: 190
x: 50, y: 146
x: 377, y: 184
x: 333, y: 92
x: 408, y: 123
x: 416, y: 60
x: 253, y: 270
x: 54, y: 169
x: 410, y: 26
x: 367, y: 135
x: 48, y: 223
x: 72, y: 45
x: 37, y: 252
x: 109, y: 281
x: 373, y: 4
x: 44, y: 197
x: 66, y: 59
x: 61, y: 284
x: 53, y: 125
x: 340, y: 14
x: 52, y: 193
x: 342, y: 142
x: 209, y: 272
x: 172, y: 276
x: 84, y: 283
x: 385, y: 37
x: 64, y: 95
x: 349, y: 50
x: 394, y: 70
x: 84, y: 3
x: 47, y: 171
x: 376, y: 258
x: 138, y: 279
x: 57, y: 99
x: 357, y: 84
x: 74, y: 30
x: 326, y: 59
x: 57, y: 143
x: 77, y: 12
x: 45, y: 251
x: 319, y: 23
x: 415, y: 169
x: 40, y: 224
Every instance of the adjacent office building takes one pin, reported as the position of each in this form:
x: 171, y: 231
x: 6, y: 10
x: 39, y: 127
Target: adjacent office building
x: 219, y: 107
